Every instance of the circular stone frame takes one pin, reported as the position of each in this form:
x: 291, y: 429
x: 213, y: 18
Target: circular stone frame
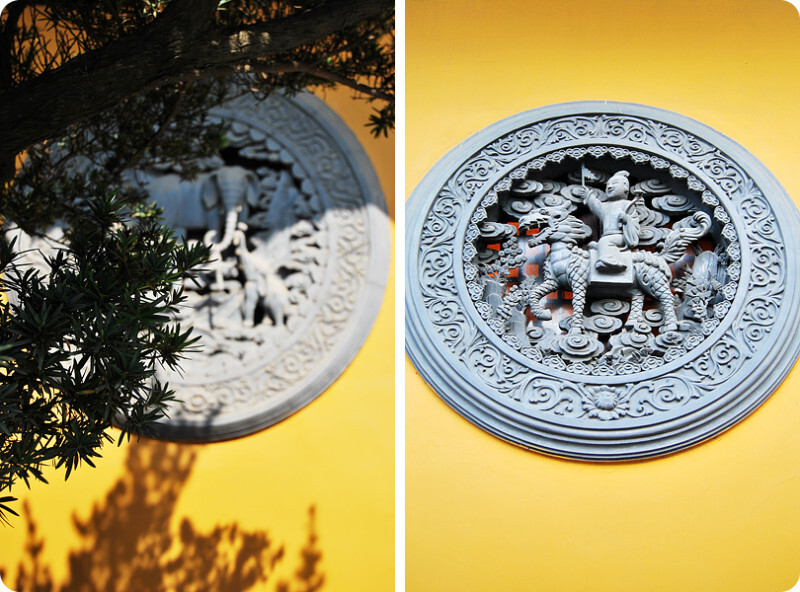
x: 649, y: 411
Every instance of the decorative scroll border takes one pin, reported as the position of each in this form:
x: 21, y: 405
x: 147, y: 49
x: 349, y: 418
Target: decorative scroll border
x: 665, y: 408
x: 333, y: 159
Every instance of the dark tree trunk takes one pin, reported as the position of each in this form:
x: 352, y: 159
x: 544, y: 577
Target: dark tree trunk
x: 182, y: 43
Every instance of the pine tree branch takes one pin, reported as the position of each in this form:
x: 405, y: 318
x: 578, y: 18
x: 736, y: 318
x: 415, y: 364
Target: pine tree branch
x: 324, y: 75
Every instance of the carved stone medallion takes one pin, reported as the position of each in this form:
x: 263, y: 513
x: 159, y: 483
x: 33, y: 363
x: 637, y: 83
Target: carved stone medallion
x: 602, y: 281
x: 296, y: 220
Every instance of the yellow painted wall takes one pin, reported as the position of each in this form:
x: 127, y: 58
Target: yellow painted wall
x: 180, y: 517
x: 485, y: 515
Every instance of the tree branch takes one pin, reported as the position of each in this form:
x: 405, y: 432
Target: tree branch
x: 301, y: 28
x: 190, y: 16
x: 9, y: 30
x: 167, y: 120
x: 324, y: 75
x: 180, y: 43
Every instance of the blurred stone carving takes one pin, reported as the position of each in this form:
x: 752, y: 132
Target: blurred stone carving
x: 300, y: 243
x: 294, y: 218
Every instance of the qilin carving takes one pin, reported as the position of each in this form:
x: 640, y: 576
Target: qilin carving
x: 599, y: 271
x: 708, y: 273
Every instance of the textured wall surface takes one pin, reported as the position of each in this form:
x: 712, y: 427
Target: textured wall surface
x: 486, y: 515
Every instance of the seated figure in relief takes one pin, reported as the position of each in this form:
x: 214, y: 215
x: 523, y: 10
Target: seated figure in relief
x: 619, y: 225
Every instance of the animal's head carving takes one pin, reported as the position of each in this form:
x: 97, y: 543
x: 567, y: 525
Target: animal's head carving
x: 556, y: 223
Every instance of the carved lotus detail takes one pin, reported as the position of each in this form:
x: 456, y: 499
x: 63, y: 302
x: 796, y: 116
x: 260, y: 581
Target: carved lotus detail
x: 605, y: 402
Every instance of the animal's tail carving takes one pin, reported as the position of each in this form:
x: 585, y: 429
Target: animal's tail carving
x: 684, y: 232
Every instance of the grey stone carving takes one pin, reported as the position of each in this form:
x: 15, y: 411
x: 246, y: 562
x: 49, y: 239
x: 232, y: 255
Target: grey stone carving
x: 296, y: 221
x: 300, y: 243
x: 601, y: 281
x: 611, y: 266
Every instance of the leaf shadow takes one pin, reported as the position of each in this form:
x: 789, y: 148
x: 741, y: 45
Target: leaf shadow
x: 128, y: 542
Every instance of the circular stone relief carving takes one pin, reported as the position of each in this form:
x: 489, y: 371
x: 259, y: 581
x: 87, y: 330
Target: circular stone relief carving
x: 602, y: 281
x: 296, y: 220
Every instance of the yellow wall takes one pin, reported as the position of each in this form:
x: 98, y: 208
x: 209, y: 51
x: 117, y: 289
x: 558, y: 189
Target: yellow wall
x: 485, y: 515
x: 154, y: 502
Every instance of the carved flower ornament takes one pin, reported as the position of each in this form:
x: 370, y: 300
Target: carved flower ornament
x: 601, y: 281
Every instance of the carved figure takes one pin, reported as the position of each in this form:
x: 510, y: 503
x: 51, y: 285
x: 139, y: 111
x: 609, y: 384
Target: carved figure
x: 232, y: 187
x: 567, y: 266
x: 261, y: 285
x: 618, y: 222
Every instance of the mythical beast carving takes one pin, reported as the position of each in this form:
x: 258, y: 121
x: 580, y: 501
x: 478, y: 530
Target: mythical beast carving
x: 540, y: 242
x: 568, y: 265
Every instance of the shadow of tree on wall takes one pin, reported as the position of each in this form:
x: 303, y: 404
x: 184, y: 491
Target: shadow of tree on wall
x: 127, y: 542
x: 308, y: 578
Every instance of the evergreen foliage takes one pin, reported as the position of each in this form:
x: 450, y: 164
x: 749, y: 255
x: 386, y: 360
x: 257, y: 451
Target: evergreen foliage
x: 80, y: 348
